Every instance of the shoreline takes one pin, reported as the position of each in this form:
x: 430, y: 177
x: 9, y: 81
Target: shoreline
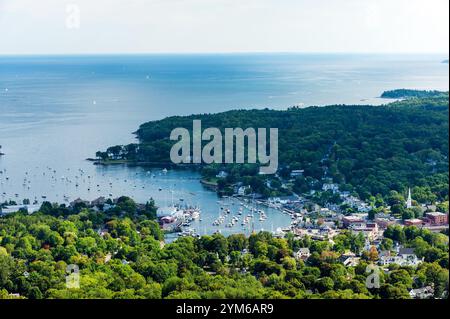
x: 208, y: 184
x: 139, y: 163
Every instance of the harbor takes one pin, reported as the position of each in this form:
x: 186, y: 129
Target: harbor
x: 231, y: 215
x: 185, y: 206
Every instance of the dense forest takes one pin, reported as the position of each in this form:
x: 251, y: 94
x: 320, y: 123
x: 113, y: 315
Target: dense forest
x: 120, y: 254
x: 369, y: 150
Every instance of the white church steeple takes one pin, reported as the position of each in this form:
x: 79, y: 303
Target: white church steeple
x: 409, y: 200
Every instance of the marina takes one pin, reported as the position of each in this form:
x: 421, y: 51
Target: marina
x: 186, y: 207
x: 236, y: 215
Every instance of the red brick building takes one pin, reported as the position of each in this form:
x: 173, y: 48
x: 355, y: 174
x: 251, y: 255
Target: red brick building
x: 413, y: 222
x: 437, y: 218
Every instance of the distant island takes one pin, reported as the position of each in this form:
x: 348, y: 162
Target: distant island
x: 445, y: 61
x: 406, y: 93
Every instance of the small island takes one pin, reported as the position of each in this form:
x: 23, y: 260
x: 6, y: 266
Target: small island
x: 407, y: 93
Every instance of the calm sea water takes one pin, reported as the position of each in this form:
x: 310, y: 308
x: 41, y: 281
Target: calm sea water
x: 57, y: 111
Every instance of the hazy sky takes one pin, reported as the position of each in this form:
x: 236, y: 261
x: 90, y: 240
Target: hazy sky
x: 139, y: 26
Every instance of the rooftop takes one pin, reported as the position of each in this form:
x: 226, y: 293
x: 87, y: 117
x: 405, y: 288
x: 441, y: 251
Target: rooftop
x: 406, y: 251
x: 413, y: 220
x: 436, y: 214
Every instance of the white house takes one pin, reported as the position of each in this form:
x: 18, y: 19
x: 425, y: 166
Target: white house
x: 242, y: 189
x: 330, y: 187
x: 222, y: 174
x: 422, y: 293
x: 297, y: 172
x: 369, y: 230
x: 351, y: 261
x: 405, y: 257
x: 302, y: 254
x: 15, y: 208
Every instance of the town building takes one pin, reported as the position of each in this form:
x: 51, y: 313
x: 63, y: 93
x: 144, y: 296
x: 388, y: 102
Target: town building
x: 404, y: 257
x: 351, y: 261
x: 347, y: 221
x: 241, y: 190
x: 222, y: 174
x: 302, y: 254
x: 436, y: 218
x: 10, y: 209
x: 98, y: 202
x: 413, y: 222
x: 356, y: 203
x: 322, y: 234
x: 369, y: 230
x: 79, y: 201
x: 297, y: 172
x: 384, y: 222
x: 330, y: 187
x: 422, y: 293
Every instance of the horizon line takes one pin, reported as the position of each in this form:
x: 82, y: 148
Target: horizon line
x: 220, y: 53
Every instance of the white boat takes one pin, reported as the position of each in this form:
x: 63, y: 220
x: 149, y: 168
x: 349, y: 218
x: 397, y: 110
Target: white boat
x: 195, y: 215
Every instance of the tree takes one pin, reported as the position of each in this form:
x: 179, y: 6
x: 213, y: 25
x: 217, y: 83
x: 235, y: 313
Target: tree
x: 289, y: 263
x: 7, y: 267
x: 102, y: 155
x: 388, y: 291
x: 373, y: 254
x: 237, y: 242
x: 127, y: 205
x: 151, y: 228
x: 261, y: 249
x: 407, y: 214
x: 35, y: 293
x: 324, y: 284
x: 150, y: 210
x: 398, y: 209
x: 437, y: 277
x: 387, y: 244
x: 400, y: 277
